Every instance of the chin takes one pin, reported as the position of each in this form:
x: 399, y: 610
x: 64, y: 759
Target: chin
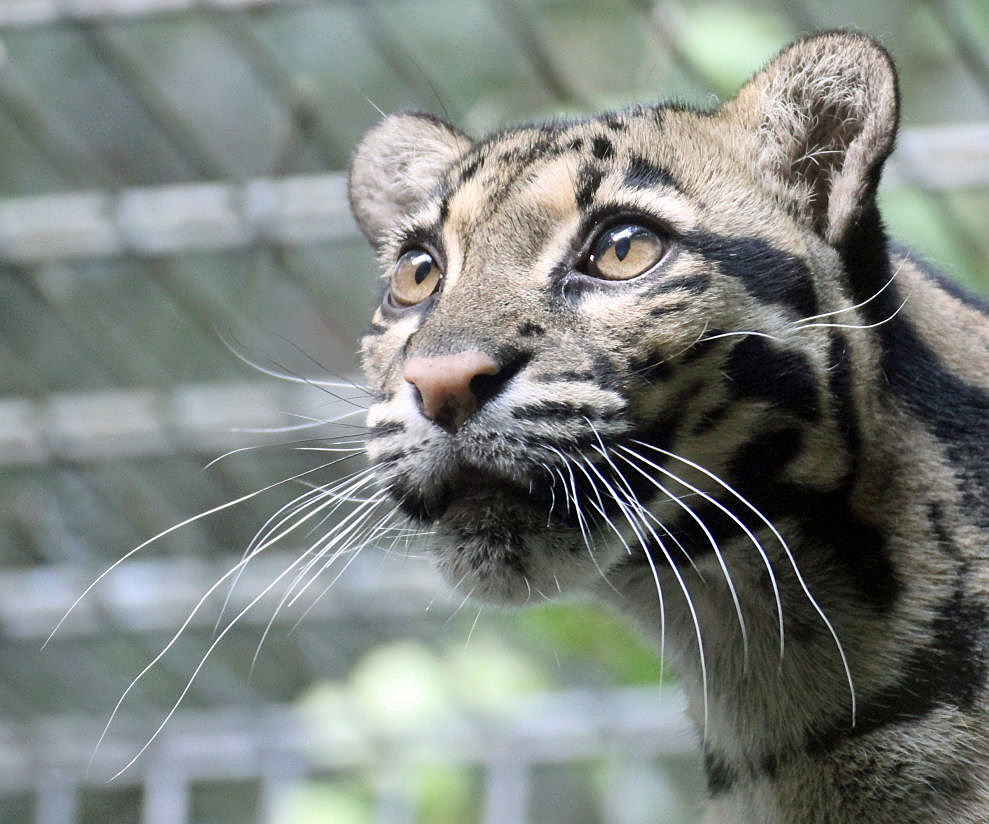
x: 500, y: 549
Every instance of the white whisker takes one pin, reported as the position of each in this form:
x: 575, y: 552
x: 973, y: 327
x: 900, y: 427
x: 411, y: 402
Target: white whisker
x: 790, y: 558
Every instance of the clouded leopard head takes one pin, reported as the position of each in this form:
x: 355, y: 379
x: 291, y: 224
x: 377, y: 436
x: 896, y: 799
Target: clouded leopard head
x: 586, y: 323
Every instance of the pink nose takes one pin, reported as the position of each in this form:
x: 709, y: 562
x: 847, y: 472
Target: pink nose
x: 444, y: 384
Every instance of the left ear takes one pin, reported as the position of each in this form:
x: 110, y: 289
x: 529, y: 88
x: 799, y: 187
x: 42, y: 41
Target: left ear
x: 819, y: 121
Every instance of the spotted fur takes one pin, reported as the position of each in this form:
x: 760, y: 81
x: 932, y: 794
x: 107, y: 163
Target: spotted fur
x: 770, y: 448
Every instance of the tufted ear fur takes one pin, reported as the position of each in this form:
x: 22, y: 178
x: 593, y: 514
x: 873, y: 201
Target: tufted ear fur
x: 397, y: 166
x: 819, y: 121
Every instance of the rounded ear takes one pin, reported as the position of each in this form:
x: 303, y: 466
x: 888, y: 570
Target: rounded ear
x: 397, y: 166
x: 819, y: 121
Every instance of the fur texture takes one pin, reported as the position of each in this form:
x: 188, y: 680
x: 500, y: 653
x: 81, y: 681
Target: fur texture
x: 770, y: 446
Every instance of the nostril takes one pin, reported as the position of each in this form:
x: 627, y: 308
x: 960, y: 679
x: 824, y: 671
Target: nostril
x: 485, y: 386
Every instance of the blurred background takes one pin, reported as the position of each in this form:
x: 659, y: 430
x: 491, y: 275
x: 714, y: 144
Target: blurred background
x: 172, y: 210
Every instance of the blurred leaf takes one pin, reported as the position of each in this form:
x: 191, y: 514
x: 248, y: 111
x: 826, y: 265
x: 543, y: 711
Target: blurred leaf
x: 322, y: 803
x: 592, y: 632
x: 489, y: 674
x: 401, y: 685
x: 447, y: 795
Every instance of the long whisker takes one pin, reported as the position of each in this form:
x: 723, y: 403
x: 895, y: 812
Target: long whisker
x: 714, y: 546
x: 178, y: 633
x: 290, y: 596
x: 854, y: 325
x: 786, y: 549
x: 865, y: 302
x: 175, y: 528
x: 738, y: 521
x: 282, y: 373
x: 286, y: 513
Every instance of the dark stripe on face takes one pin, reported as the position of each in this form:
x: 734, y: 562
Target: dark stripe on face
x: 531, y: 330
x: 702, y: 347
x: 955, y: 412
x: 767, y: 273
x: 588, y: 180
x: 659, y: 311
x: 555, y: 410
x: 644, y: 174
x: 756, y: 369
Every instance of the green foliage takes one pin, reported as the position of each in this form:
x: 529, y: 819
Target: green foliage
x: 320, y: 802
x: 447, y: 794
x: 593, y: 635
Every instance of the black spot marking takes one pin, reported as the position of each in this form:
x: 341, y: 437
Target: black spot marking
x: 576, y: 144
x: 644, y: 174
x: 652, y: 369
x: 759, y: 462
x: 666, y: 309
x: 721, y: 778
x: 785, y: 378
x: 615, y: 123
x: 770, y: 766
x: 710, y: 419
x: 606, y: 373
x: 702, y: 347
x: 531, y: 330
x: 376, y: 329
x: 602, y: 148
x: 576, y: 376
x: 588, y: 180
x: 767, y: 273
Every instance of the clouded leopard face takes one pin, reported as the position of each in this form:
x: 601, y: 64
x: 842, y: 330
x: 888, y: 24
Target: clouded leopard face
x: 600, y: 339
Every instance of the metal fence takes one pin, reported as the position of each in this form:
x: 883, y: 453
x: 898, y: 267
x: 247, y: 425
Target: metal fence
x: 171, y: 203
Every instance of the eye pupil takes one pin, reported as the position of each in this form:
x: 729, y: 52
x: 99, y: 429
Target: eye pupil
x: 423, y: 270
x: 622, y: 247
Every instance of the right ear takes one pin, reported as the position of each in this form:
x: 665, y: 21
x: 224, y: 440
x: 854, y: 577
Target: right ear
x: 397, y: 166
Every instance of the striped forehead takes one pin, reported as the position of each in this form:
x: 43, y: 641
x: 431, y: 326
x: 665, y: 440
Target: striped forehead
x: 547, y: 176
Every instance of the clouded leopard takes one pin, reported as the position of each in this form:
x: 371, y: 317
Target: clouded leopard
x: 669, y: 356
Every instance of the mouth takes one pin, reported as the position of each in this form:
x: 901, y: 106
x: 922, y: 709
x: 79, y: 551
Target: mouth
x: 508, y: 540
x: 476, y: 489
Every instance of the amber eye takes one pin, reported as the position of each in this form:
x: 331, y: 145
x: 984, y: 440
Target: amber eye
x: 624, y: 251
x: 415, y: 278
